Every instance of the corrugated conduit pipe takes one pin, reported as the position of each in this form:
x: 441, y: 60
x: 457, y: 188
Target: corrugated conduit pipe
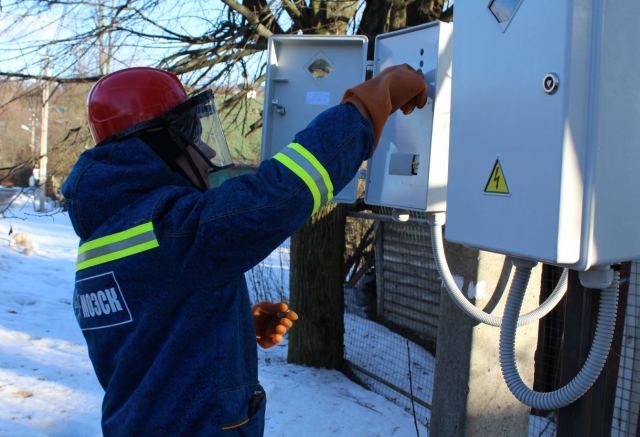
x: 437, y: 220
x: 592, y: 366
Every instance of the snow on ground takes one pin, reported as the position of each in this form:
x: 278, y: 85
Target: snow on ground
x: 47, y: 384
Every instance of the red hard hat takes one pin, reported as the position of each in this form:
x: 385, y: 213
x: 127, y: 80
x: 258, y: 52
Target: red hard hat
x: 127, y: 97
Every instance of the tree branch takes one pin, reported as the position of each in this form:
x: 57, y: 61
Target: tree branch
x: 253, y: 20
x: 83, y: 79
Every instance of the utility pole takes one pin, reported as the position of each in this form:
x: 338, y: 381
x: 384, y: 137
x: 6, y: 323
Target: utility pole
x: 32, y: 144
x: 44, y: 134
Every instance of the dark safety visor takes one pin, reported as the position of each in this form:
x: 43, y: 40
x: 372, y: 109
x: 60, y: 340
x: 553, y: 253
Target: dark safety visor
x: 197, y: 123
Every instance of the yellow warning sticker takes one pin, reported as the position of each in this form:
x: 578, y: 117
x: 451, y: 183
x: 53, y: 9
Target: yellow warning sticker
x: 497, y: 184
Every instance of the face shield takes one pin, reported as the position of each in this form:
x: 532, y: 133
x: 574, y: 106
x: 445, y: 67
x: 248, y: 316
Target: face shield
x: 197, y: 124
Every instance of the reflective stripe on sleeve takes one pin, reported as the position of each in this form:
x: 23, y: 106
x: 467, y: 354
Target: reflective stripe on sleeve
x: 116, y: 246
x: 302, y: 162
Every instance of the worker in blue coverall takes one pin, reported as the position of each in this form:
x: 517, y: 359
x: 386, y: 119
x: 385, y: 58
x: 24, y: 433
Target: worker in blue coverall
x: 160, y: 291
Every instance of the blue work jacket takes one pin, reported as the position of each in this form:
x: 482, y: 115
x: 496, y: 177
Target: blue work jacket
x: 160, y: 291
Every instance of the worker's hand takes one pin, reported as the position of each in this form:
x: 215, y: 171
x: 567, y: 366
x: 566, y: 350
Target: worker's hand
x: 397, y: 87
x: 271, y: 321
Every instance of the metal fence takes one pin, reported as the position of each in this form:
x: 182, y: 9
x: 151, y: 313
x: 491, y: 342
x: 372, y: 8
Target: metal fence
x: 626, y: 406
x: 392, y: 311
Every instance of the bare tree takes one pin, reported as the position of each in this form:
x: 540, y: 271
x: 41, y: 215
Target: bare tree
x: 208, y: 45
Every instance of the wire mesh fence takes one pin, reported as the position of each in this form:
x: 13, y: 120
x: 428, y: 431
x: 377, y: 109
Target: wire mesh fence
x: 392, y: 311
x: 610, y: 407
x: 548, y: 355
x: 626, y: 406
x: 269, y: 280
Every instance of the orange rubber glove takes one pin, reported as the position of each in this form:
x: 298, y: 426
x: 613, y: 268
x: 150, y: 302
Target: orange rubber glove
x: 397, y: 87
x: 271, y: 322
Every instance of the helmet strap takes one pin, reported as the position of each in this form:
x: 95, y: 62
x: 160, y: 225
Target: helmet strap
x: 130, y: 131
x: 177, y: 138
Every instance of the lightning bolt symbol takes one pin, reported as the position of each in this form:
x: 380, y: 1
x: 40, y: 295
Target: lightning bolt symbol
x: 496, y: 178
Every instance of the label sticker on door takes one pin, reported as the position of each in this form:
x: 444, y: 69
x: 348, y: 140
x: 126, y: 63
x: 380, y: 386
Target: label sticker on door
x: 497, y: 183
x: 318, y: 98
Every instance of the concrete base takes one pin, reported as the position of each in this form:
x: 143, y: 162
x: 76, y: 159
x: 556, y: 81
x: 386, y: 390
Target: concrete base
x: 470, y: 396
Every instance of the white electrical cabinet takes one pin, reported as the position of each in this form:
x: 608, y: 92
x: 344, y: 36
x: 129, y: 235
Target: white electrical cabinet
x: 305, y: 76
x: 545, y: 130
x: 409, y: 168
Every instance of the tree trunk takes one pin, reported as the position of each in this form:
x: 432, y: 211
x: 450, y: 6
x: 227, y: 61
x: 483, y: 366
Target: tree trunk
x: 374, y: 21
x: 398, y: 15
x: 316, y: 289
x: 381, y: 16
x: 338, y: 16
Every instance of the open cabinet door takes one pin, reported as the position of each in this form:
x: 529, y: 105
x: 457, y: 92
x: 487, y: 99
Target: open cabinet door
x: 306, y: 75
x: 408, y: 170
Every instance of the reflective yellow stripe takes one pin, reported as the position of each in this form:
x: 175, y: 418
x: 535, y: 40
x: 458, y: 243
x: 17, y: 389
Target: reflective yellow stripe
x: 312, y: 159
x: 116, y: 246
x: 294, y: 167
x: 302, y: 162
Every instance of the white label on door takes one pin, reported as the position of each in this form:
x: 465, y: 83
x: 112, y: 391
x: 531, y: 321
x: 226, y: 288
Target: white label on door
x: 318, y: 98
